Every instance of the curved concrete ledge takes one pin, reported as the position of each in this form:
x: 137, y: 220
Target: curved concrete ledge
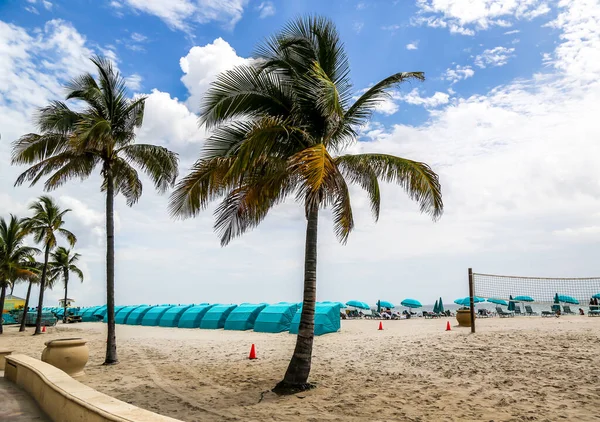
x: 66, y: 400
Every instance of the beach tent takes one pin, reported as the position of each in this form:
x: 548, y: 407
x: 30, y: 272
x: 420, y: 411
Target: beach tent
x: 172, y: 316
x: 87, y: 315
x: 243, y: 317
x: 327, y: 319
x: 216, y: 316
x: 100, y: 313
x: 192, y: 317
x: 136, y: 316
x: 153, y: 316
x: 117, y: 309
x: 123, y: 313
x: 275, y: 318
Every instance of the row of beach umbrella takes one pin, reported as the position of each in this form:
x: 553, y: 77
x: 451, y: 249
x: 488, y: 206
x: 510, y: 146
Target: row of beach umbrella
x: 466, y: 301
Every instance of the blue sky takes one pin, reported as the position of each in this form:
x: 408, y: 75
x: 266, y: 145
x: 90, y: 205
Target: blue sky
x: 506, y: 116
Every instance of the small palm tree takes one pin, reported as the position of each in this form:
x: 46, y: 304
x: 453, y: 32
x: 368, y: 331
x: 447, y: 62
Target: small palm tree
x: 63, y: 263
x: 13, y: 256
x: 102, y: 134
x: 47, y: 221
x: 281, y: 126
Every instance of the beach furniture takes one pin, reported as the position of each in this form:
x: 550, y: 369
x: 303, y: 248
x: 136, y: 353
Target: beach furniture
x: 502, y: 313
x: 567, y: 310
x: 276, y: 318
x: 594, y: 310
x: 529, y: 311
x: 326, y: 320
x: 243, y: 317
x: 192, y: 317
x: 518, y: 310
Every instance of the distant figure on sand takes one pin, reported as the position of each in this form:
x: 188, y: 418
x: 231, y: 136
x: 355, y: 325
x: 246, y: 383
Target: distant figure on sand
x: 581, y: 312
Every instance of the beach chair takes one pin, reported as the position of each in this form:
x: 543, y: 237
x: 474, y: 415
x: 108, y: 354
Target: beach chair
x: 567, y: 310
x: 529, y: 311
x: 518, y: 310
x: 594, y: 310
x: 482, y: 313
x: 427, y: 314
x: 502, y: 313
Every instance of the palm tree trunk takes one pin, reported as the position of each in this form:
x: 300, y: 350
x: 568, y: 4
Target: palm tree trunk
x: 66, y: 277
x: 26, y: 307
x: 38, y: 321
x: 296, y: 376
x: 2, y: 296
x: 111, y: 341
x: 12, y: 288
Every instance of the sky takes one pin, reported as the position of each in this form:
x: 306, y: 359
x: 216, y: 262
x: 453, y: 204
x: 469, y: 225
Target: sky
x: 507, y: 116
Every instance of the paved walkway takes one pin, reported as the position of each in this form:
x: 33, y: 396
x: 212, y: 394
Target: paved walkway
x: 16, y: 405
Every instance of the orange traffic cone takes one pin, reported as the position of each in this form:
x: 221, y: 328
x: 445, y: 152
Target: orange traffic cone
x: 448, y: 326
x: 43, y: 329
x: 252, y: 352
x: 380, y: 325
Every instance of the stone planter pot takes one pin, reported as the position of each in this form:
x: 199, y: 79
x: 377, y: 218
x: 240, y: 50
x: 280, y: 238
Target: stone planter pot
x: 463, y: 316
x: 69, y: 354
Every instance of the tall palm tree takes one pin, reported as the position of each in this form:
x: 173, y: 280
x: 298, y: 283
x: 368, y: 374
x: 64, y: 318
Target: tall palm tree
x: 36, y: 269
x: 13, y: 254
x: 47, y: 221
x: 280, y: 127
x: 72, y: 143
x: 63, y: 263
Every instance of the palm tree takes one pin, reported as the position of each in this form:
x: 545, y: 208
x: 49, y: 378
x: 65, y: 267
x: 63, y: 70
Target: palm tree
x: 36, y: 269
x: 73, y: 143
x: 280, y: 127
x: 63, y: 263
x: 47, y: 221
x: 13, y: 254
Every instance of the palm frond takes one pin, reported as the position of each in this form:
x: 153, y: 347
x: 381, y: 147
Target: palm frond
x: 126, y: 181
x: 160, y: 164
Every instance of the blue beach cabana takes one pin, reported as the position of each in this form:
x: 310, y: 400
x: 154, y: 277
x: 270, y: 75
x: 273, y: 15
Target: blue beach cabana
x: 192, y: 317
x: 172, y: 316
x: 327, y: 319
x: 275, y: 318
x: 243, y: 317
x: 124, y: 312
x: 153, y: 316
x: 100, y: 313
x: 117, y: 309
x: 216, y: 316
x: 88, y: 314
x: 136, y: 316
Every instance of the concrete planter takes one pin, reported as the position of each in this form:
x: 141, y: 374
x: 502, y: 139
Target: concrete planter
x: 69, y: 354
x: 463, y: 316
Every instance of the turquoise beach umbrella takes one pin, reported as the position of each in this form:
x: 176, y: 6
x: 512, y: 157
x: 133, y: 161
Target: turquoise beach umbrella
x: 435, y: 308
x: 440, y: 306
x: 466, y: 301
x: 523, y: 299
x: 596, y: 296
x: 566, y: 299
x: 498, y: 301
x: 511, y: 304
x: 386, y: 304
x: 411, y: 303
x: 358, y: 304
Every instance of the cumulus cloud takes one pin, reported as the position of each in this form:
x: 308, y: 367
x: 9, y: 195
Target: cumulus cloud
x: 459, y: 73
x: 413, y: 45
x: 414, y: 98
x: 466, y: 18
x: 181, y: 14
x: 134, y: 82
x: 201, y: 66
x: 358, y: 26
x: 494, y: 57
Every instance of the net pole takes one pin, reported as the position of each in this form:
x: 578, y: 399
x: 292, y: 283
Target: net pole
x: 472, y: 299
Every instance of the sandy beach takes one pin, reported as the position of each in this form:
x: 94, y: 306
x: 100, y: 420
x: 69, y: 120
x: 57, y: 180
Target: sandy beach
x: 535, y: 369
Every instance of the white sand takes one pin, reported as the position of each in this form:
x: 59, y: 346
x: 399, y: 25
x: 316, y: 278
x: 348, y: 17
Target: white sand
x: 538, y: 369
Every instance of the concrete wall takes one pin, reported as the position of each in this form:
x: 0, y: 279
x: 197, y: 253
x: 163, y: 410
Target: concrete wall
x: 64, y: 399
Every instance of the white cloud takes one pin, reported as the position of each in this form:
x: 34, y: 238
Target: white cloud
x: 266, y: 9
x: 201, y: 66
x: 514, y: 31
x: 134, y: 82
x: 181, y: 14
x: 361, y: 6
x: 413, y: 45
x: 116, y: 4
x: 137, y: 37
x: 358, y: 26
x: 459, y: 73
x: 387, y: 106
x: 47, y: 4
x: 497, y: 56
x: 465, y: 18
x: 32, y: 9
x: 391, y: 28
x: 414, y: 98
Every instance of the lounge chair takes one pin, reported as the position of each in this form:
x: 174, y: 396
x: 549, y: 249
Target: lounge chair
x: 483, y: 313
x: 567, y: 310
x: 529, y: 311
x: 427, y: 314
x: 594, y: 310
x: 502, y: 313
x: 518, y: 310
